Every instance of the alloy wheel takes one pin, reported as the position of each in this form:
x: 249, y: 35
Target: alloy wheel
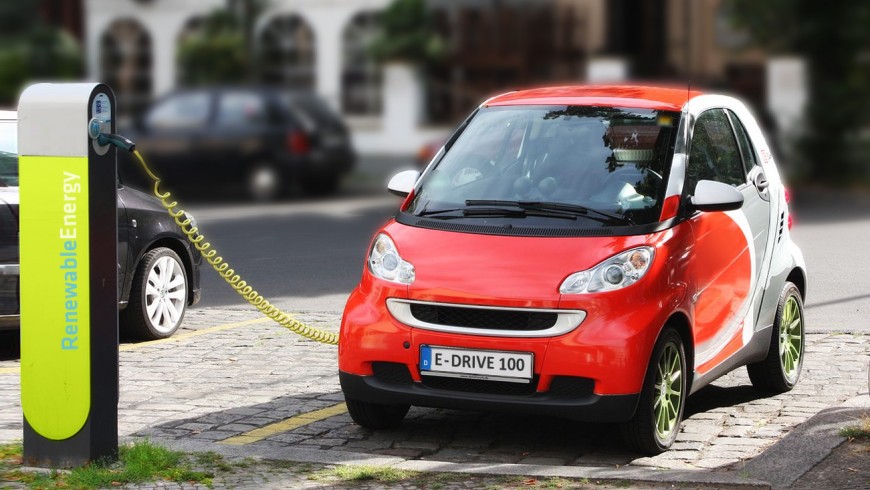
x: 165, y: 294
x: 668, y: 392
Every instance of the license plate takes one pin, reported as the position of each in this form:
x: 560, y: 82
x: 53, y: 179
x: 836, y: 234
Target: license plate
x: 515, y: 367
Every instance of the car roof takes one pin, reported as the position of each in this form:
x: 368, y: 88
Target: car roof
x: 643, y: 97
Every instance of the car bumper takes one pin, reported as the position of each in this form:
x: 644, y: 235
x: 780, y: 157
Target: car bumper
x: 567, y: 403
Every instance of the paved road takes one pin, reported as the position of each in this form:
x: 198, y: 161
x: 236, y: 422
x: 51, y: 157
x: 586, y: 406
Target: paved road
x: 245, y: 387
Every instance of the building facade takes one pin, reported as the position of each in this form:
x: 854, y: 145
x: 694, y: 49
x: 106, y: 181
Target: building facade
x: 494, y: 45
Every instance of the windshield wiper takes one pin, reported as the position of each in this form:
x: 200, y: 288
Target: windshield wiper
x: 512, y: 211
x: 553, y: 206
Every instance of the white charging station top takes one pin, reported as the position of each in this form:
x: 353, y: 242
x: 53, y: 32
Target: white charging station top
x: 53, y: 119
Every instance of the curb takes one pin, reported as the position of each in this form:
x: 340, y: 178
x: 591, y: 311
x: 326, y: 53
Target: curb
x: 807, y: 445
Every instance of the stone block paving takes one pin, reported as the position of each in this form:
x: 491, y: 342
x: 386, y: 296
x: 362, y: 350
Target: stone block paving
x: 227, y: 382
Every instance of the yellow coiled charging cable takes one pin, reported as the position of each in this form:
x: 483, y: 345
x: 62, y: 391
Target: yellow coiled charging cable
x: 229, y: 275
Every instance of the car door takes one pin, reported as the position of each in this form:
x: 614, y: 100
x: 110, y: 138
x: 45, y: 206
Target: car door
x: 729, y: 246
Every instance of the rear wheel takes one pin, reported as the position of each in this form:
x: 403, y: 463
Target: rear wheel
x: 655, y: 425
x: 265, y: 182
x: 780, y: 370
x: 375, y: 415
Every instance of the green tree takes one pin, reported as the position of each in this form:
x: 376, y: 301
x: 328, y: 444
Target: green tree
x: 222, y: 50
x: 407, y: 34
x: 835, y: 40
x: 32, y: 51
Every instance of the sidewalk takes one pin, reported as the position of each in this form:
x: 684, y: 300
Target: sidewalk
x: 246, y: 388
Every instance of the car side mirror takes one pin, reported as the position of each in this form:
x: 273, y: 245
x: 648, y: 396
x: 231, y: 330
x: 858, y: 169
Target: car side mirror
x: 403, y: 183
x: 716, y: 196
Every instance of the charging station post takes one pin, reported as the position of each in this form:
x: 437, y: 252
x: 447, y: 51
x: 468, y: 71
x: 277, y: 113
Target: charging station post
x: 69, y: 274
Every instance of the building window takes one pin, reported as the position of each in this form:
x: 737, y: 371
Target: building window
x: 287, y: 53
x: 360, y: 73
x: 126, y: 65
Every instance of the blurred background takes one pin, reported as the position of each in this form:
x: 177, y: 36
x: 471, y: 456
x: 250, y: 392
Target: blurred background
x: 283, y: 96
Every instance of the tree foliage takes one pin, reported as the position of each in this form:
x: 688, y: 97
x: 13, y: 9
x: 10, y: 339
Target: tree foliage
x: 407, y: 34
x: 834, y: 38
x: 31, y: 51
x: 221, y: 51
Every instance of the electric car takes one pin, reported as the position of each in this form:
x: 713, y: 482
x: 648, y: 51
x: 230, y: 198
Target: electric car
x: 597, y: 253
x: 158, y: 269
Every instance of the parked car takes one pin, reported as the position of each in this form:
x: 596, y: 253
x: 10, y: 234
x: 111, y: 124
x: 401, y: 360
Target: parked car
x: 595, y: 253
x: 158, y: 270
x: 260, y: 138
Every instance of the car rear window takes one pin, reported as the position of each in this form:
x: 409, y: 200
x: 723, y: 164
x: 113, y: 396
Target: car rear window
x: 312, y: 111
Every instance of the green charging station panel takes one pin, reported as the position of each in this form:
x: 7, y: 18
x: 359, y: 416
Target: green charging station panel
x: 55, y: 345
x: 69, y: 274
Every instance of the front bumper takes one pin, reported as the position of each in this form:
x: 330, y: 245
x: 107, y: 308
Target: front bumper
x: 576, y: 406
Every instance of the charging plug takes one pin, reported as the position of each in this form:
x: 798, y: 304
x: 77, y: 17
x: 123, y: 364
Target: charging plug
x: 117, y: 140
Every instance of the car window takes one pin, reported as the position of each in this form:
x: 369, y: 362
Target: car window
x: 180, y: 111
x: 746, y: 149
x: 237, y: 109
x: 714, y: 154
x: 9, y: 153
x: 608, y: 159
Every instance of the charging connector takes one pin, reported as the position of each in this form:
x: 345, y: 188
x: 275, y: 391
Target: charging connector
x: 117, y: 140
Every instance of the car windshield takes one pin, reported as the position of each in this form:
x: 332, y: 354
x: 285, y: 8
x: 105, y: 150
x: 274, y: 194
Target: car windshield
x: 8, y: 153
x: 593, y: 164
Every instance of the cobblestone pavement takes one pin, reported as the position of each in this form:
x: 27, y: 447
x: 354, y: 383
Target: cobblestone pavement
x: 220, y: 383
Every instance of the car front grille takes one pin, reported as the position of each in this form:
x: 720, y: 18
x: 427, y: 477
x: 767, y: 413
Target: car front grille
x: 483, y: 318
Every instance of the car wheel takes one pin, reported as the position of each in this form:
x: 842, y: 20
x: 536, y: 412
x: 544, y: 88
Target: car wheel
x: 780, y: 370
x: 158, y: 296
x: 265, y: 183
x: 655, y: 424
x: 375, y: 415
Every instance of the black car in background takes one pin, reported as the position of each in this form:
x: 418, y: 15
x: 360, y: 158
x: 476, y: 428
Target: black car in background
x: 158, y: 270
x: 259, y: 140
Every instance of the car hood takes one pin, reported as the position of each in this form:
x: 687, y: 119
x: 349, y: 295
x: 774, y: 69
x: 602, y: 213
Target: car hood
x: 497, y: 270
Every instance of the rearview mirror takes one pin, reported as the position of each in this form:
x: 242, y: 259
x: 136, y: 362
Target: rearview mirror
x: 403, y: 183
x: 716, y: 196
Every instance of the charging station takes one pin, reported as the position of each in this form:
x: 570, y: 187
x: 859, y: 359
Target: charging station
x: 69, y: 274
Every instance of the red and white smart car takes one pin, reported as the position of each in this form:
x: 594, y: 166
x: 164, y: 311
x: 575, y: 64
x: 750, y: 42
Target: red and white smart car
x: 597, y: 253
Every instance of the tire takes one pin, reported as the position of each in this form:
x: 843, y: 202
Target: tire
x: 780, y: 370
x: 376, y: 416
x: 655, y: 425
x: 158, y: 296
x: 264, y: 183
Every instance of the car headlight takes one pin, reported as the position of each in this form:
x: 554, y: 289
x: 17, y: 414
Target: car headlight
x: 616, y: 272
x: 386, y: 263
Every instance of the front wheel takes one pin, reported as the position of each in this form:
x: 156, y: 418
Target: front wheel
x: 158, y: 296
x: 375, y: 415
x: 655, y: 425
x: 780, y: 370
